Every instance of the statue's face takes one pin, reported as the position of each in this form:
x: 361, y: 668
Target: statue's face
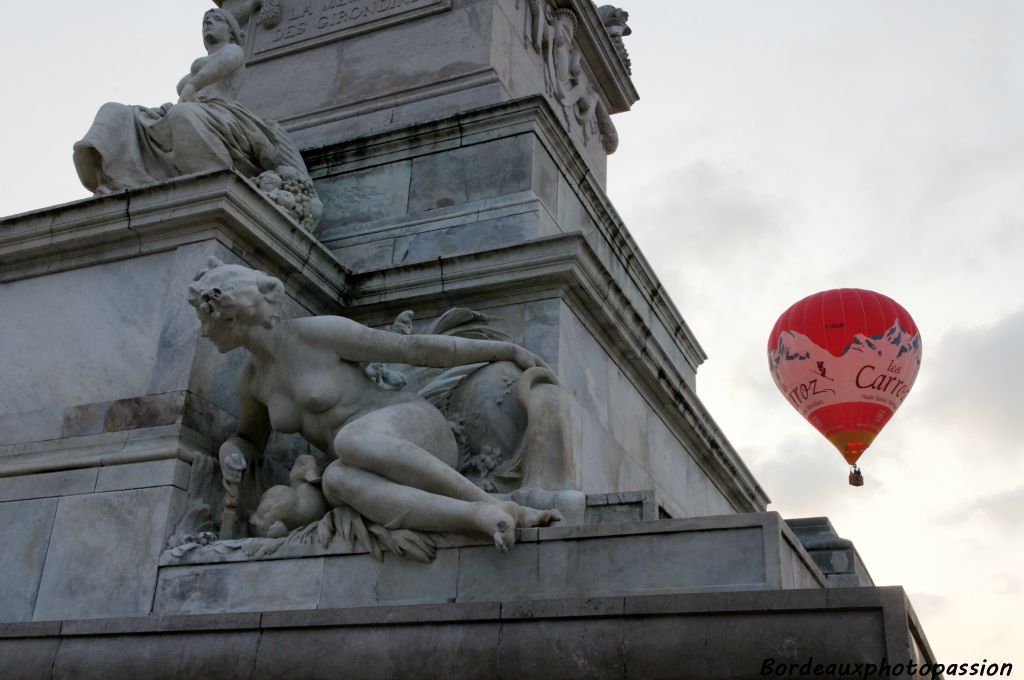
x: 224, y: 334
x: 229, y: 299
x: 217, y: 309
x: 216, y: 28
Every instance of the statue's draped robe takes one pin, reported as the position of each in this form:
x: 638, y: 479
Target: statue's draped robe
x: 132, y: 146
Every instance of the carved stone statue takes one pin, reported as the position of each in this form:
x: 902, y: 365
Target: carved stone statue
x: 132, y: 146
x: 301, y: 502
x: 614, y: 20
x: 552, y: 32
x: 395, y: 452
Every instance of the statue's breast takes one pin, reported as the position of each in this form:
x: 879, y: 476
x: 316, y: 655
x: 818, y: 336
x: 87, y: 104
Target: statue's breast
x: 326, y: 385
x: 285, y: 414
x: 318, y: 394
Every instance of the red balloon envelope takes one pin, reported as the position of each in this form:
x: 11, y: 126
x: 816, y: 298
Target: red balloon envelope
x: 845, y: 359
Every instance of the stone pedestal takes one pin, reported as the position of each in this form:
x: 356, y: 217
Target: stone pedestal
x: 111, y: 403
x: 837, y: 557
x: 459, y: 147
x: 702, y: 635
x: 726, y: 553
x: 494, y: 210
x: 336, y: 71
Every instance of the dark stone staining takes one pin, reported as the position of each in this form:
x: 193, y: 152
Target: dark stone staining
x: 142, y: 412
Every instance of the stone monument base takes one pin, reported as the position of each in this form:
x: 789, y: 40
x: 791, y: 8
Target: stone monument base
x: 695, y: 635
x: 755, y: 551
x: 711, y: 597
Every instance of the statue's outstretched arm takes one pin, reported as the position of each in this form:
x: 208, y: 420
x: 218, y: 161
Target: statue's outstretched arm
x: 356, y: 342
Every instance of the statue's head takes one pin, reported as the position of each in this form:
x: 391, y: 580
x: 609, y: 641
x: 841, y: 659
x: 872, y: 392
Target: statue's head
x: 565, y: 19
x: 218, y: 20
x: 228, y: 297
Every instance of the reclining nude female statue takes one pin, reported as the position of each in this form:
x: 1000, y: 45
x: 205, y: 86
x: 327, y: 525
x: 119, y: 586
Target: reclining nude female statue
x: 394, y: 450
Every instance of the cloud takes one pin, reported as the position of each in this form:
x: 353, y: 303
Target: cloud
x: 1001, y: 510
x: 716, y: 211
x: 928, y: 605
x: 806, y: 477
x: 716, y: 239
x: 1008, y: 584
x: 975, y: 391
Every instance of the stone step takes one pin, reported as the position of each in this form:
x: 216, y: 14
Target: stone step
x: 754, y: 551
x: 695, y: 636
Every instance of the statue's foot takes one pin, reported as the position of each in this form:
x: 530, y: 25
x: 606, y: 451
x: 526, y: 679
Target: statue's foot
x: 569, y: 503
x: 531, y: 517
x: 527, y: 517
x: 500, y: 520
x: 497, y: 521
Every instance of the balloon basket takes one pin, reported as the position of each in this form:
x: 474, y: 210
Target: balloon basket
x: 856, y: 477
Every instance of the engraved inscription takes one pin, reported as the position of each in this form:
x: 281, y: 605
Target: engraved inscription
x: 310, y: 19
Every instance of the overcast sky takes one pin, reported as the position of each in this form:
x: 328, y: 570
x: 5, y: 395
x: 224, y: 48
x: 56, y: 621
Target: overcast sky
x: 780, y: 147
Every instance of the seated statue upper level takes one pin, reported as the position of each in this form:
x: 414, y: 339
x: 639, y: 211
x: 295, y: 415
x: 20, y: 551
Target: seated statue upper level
x: 329, y: 70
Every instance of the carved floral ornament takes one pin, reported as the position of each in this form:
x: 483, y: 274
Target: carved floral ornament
x: 551, y: 32
x: 270, y: 14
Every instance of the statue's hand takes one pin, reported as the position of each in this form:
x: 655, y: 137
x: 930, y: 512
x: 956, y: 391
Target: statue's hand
x: 525, y: 359
x: 232, y: 463
x: 187, y: 94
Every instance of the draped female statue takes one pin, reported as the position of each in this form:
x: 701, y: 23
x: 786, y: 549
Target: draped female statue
x: 131, y: 146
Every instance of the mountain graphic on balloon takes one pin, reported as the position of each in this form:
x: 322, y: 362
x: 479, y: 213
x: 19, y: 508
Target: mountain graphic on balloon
x: 846, y: 360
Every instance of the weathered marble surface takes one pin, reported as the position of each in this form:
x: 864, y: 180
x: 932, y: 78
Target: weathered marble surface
x: 576, y: 637
x: 104, y: 549
x: 729, y: 552
x: 837, y: 557
x: 26, y: 538
x: 455, y: 57
x: 576, y: 323
x: 72, y: 354
x: 602, y: 358
x: 124, y: 354
x: 94, y: 470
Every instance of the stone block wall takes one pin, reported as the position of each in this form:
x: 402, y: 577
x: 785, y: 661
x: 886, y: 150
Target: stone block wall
x: 494, y: 210
x: 111, y: 405
x: 86, y: 543
x: 332, y: 72
x: 696, y: 635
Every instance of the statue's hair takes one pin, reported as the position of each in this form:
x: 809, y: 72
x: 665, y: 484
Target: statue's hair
x: 569, y: 16
x: 244, y: 295
x: 237, y: 34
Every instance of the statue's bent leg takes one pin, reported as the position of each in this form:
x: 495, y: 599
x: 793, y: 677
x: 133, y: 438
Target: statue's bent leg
x: 365, y: 443
x: 396, y: 506
x: 548, y: 465
x: 198, y: 144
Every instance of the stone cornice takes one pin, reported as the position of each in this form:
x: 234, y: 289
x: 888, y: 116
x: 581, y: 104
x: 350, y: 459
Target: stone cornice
x: 533, y: 115
x: 599, y: 53
x: 567, y: 266
x: 218, y: 205
x: 112, y: 448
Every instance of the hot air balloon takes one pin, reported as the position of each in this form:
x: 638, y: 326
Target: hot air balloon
x: 845, y: 359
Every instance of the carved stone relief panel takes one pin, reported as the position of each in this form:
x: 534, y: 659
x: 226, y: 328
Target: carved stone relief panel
x: 551, y: 33
x: 284, y: 24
